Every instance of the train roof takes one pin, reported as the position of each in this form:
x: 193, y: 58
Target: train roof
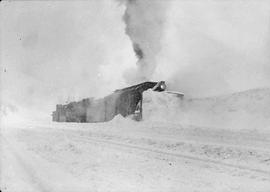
x: 141, y: 87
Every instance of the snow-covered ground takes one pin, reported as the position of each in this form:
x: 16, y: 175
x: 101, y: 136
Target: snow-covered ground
x: 176, y: 148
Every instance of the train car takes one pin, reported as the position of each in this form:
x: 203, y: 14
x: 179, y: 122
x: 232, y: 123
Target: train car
x: 127, y: 101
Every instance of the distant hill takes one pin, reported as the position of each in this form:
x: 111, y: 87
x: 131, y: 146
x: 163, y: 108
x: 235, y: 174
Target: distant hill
x: 242, y: 110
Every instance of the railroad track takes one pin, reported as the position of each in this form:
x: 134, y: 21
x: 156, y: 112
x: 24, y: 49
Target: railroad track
x: 111, y: 143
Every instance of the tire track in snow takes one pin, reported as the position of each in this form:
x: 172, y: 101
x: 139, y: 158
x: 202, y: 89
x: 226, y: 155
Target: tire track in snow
x: 42, y: 175
x: 27, y: 169
x: 156, y: 151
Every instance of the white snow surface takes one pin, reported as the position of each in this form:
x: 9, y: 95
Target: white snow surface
x: 208, y: 144
x: 248, y: 110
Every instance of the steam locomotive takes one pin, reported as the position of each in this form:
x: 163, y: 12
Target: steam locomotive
x: 127, y: 101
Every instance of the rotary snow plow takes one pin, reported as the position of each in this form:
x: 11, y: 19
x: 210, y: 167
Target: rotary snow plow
x: 126, y: 101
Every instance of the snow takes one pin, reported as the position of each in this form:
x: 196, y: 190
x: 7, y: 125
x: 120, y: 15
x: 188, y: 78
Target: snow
x: 181, y: 145
x: 248, y: 110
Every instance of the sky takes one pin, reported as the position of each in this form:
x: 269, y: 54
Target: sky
x: 58, y: 51
x: 53, y: 52
x: 224, y: 46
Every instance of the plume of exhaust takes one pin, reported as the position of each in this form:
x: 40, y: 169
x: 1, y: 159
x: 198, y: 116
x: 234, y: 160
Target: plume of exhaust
x: 202, y: 48
x: 144, y: 25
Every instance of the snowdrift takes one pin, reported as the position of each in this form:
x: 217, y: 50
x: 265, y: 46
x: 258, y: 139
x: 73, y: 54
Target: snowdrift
x: 243, y: 110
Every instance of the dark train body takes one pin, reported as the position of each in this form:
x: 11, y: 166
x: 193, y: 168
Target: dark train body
x: 127, y: 101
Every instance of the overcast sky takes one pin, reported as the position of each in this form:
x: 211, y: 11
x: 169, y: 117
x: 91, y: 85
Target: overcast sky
x: 54, y: 51
x: 58, y: 51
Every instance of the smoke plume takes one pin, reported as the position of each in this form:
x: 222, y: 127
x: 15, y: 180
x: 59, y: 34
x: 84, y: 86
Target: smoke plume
x: 144, y: 25
x: 200, y: 47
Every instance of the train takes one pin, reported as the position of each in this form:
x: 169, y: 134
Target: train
x: 126, y: 102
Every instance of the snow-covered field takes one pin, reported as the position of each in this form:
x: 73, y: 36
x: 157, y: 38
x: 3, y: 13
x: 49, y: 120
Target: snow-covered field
x: 205, y: 144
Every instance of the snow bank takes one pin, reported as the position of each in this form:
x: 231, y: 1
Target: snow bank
x: 119, y: 120
x: 244, y: 110
x: 161, y: 107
